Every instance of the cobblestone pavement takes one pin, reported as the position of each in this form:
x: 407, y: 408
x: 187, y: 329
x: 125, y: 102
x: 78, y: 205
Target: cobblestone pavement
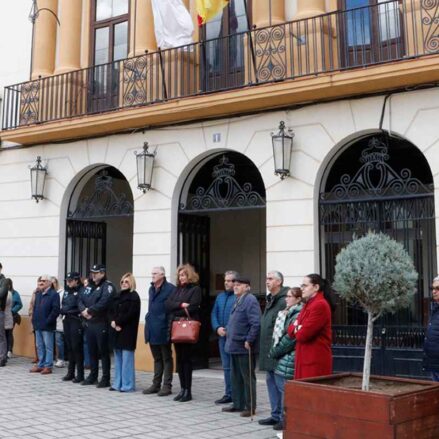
x: 33, y: 406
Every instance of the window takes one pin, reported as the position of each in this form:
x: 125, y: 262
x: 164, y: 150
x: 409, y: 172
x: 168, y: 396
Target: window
x: 109, y: 34
x: 225, y: 45
x: 110, y: 31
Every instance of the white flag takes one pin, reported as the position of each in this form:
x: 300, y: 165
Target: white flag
x: 172, y: 23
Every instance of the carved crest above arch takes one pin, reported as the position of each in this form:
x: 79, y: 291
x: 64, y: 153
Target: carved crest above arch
x: 105, y: 201
x: 224, y: 190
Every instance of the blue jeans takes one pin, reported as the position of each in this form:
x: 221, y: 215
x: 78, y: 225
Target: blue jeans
x: 225, y: 361
x: 59, y: 338
x: 280, y: 384
x: 45, y: 341
x: 124, y: 373
x: 274, y: 396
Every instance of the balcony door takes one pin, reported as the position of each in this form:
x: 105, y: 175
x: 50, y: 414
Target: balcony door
x: 109, y: 44
x: 371, y: 32
x: 223, y: 62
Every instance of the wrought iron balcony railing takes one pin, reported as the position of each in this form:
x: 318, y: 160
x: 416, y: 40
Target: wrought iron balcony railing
x: 387, y: 32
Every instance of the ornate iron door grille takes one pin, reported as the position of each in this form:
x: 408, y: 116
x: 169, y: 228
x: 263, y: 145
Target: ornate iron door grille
x: 86, y: 245
x: 379, y: 198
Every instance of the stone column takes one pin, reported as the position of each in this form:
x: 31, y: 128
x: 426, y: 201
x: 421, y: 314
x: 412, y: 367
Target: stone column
x: 309, y: 8
x: 69, y: 41
x: 44, y: 39
x: 142, y: 36
x: 261, y: 12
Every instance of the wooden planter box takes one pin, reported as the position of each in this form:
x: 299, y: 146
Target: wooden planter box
x: 332, y: 407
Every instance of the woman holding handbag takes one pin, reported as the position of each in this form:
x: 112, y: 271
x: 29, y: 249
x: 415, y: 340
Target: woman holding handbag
x: 185, y: 300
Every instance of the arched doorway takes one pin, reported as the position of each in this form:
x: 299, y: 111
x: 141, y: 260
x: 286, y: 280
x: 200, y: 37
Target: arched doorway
x: 99, y: 225
x: 381, y: 183
x: 222, y: 226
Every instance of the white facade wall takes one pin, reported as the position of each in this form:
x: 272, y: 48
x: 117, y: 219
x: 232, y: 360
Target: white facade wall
x: 32, y: 235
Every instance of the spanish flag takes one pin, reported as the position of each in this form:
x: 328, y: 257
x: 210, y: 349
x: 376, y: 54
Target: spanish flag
x: 207, y: 9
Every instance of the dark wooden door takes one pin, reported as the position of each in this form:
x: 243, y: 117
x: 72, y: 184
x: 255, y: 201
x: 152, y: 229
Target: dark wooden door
x: 371, y: 32
x: 194, y: 248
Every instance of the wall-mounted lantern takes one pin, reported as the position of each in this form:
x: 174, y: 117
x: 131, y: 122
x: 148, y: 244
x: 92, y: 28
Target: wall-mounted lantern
x: 38, y: 174
x: 145, y: 166
x: 282, y: 149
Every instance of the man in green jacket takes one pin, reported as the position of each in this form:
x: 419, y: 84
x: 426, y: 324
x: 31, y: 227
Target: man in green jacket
x: 275, y: 303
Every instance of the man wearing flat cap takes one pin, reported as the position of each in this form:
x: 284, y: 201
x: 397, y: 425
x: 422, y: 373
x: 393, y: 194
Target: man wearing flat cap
x: 73, y: 329
x: 242, y: 344
x: 94, y: 304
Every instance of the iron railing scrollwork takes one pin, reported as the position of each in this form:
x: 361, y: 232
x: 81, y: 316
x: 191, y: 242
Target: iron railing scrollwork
x: 389, y: 31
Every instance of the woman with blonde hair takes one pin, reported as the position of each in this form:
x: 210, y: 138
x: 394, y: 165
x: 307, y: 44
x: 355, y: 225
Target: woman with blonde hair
x: 187, y: 297
x: 125, y: 317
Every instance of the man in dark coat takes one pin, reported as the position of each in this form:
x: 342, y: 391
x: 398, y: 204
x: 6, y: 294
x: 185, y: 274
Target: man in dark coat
x: 157, y: 333
x: 242, y: 336
x: 46, y: 311
x: 275, y: 303
x: 431, y: 343
x: 94, y: 304
x: 73, y: 329
x: 220, y: 318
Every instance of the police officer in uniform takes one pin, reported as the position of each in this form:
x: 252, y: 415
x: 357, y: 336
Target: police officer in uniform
x: 94, y: 304
x: 73, y: 329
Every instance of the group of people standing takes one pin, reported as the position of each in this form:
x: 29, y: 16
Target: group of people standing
x: 108, y: 318
x: 292, y: 336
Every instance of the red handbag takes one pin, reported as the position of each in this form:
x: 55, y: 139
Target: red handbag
x: 185, y: 330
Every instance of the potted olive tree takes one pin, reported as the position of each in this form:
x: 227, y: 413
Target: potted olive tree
x: 376, y: 273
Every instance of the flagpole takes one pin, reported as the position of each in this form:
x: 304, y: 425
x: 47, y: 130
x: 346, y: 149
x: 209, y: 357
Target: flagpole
x: 250, y: 38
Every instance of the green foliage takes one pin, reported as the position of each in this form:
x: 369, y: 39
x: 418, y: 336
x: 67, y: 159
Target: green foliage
x: 376, y: 272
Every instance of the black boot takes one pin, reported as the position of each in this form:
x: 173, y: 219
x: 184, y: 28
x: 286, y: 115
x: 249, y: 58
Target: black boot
x: 68, y: 377
x: 180, y: 395
x: 187, y: 396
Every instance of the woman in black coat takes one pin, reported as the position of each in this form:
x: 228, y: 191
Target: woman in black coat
x: 125, y: 322
x: 187, y: 296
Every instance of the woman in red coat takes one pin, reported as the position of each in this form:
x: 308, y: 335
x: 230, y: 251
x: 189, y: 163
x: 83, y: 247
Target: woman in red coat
x: 312, y: 329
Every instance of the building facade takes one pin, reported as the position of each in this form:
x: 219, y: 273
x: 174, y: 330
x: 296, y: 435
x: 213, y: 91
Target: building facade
x: 355, y: 81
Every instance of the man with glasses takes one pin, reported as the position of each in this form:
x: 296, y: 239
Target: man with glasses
x: 219, y: 318
x: 157, y: 332
x: 45, y: 312
x: 94, y: 305
x: 431, y: 343
x: 275, y: 303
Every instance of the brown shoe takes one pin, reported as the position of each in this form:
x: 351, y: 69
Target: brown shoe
x: 36, y: 369
x: 46, y: 371
x: 247, y: 414
x: 35, y: 360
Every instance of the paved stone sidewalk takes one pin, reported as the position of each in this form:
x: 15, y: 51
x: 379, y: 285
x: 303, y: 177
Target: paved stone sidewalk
x: 33, y: 406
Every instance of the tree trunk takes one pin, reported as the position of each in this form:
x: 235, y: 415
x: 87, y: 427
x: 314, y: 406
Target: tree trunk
x: 368, y: 352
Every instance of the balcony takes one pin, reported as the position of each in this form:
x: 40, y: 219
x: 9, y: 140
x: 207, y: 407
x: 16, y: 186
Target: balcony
x: 316, y: 58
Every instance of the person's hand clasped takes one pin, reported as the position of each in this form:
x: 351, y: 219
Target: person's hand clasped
x: 185, y: 305
x: 221, y: 332
x: 247, y: 345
